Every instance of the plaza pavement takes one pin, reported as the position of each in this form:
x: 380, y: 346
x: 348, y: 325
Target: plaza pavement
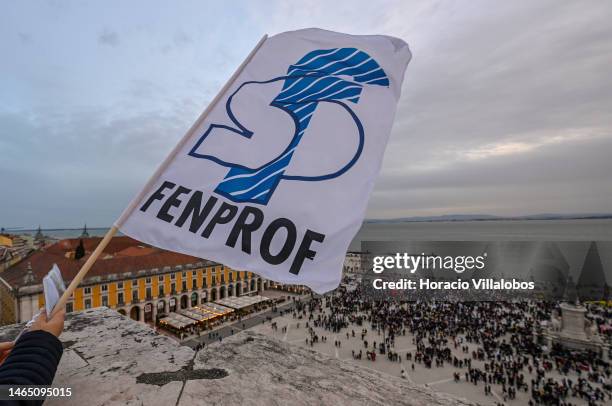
x: 436, y: 378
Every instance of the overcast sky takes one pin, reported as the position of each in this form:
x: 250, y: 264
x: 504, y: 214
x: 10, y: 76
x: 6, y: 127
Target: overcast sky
x: 506, y: 107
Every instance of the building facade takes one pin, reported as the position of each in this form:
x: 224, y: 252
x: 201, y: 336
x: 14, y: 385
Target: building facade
x: 355, y: 262
x: 152, y: 293
x: 139, y: 281
x: 14, y: 248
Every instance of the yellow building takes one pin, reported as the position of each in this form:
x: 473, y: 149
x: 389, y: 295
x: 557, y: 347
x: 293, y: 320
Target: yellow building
x: 6, y: 240
x: 13, y: 248
x: 141, y: 281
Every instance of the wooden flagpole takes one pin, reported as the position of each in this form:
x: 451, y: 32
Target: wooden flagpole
x: 61, y: 303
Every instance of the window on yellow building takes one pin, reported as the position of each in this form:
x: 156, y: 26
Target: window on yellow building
x: 104, y: 288
x: 69, y: 307
x: 88, y: 303
x: 105, y: 301
x: 173, y: 276
x: 120, y: 298
x: 160, y: 278
x: 87, y: 291
x: 148, y: 280
x: 194, y: 283
x: 160, y: 290
x: 148, y: 293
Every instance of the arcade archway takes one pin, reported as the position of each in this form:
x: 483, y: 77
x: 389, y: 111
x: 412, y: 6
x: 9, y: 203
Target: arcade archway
x: 148, y: 312
x: 135, y: 313
x: 161, y: 306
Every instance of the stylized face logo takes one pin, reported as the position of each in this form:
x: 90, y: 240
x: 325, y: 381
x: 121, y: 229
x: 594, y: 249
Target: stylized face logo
x: 322, y: 76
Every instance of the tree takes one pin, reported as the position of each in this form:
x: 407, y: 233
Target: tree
x: 80, y: 251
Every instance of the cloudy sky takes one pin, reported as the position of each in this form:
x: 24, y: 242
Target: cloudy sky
x: 506, y: 107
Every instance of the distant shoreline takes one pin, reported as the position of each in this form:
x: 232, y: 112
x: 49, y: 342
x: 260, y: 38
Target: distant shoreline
x: 584, y: 228
x: 54, y: 229
x: 467, y: 218
x: 433, y: 219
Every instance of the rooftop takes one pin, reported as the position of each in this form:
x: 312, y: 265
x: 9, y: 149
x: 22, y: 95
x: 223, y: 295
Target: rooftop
x: 122, y: 254
x: 110, y: 359
x: 240, y: 302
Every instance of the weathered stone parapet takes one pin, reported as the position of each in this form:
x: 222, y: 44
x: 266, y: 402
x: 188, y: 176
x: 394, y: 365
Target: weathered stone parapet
x: 112, y: 360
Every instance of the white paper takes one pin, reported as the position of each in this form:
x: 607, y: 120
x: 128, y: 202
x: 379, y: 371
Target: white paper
x: 53, y: 286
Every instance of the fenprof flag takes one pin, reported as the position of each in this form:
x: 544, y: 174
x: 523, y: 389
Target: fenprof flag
x: 276, y: 175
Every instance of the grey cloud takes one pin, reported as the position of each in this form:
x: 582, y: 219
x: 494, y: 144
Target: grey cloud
x: 505, y: 110
x: 568, y: 162
x: 24, y: 37
x: 492, y: 78
x: 568, y: 177
x: 179, y: 40
x: 109, y: 38
x: 487, y: 77
x: 84, y: 167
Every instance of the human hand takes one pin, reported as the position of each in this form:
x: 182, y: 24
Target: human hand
x: 54, y: 325
x: 5, y: 349
x: 6, y: 346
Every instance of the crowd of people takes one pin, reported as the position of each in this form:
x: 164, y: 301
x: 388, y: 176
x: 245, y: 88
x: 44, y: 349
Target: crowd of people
x: 508, y: 355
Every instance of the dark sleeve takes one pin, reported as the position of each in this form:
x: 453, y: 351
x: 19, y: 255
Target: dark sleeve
x: 32, y: 361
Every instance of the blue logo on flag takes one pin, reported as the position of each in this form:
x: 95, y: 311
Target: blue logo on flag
x: 326, y: 75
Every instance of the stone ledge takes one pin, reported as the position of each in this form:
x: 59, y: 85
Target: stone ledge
x: 112, y: 360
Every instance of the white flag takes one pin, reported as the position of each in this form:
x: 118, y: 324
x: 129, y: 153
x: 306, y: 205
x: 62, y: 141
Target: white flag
x: 276, y: 178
